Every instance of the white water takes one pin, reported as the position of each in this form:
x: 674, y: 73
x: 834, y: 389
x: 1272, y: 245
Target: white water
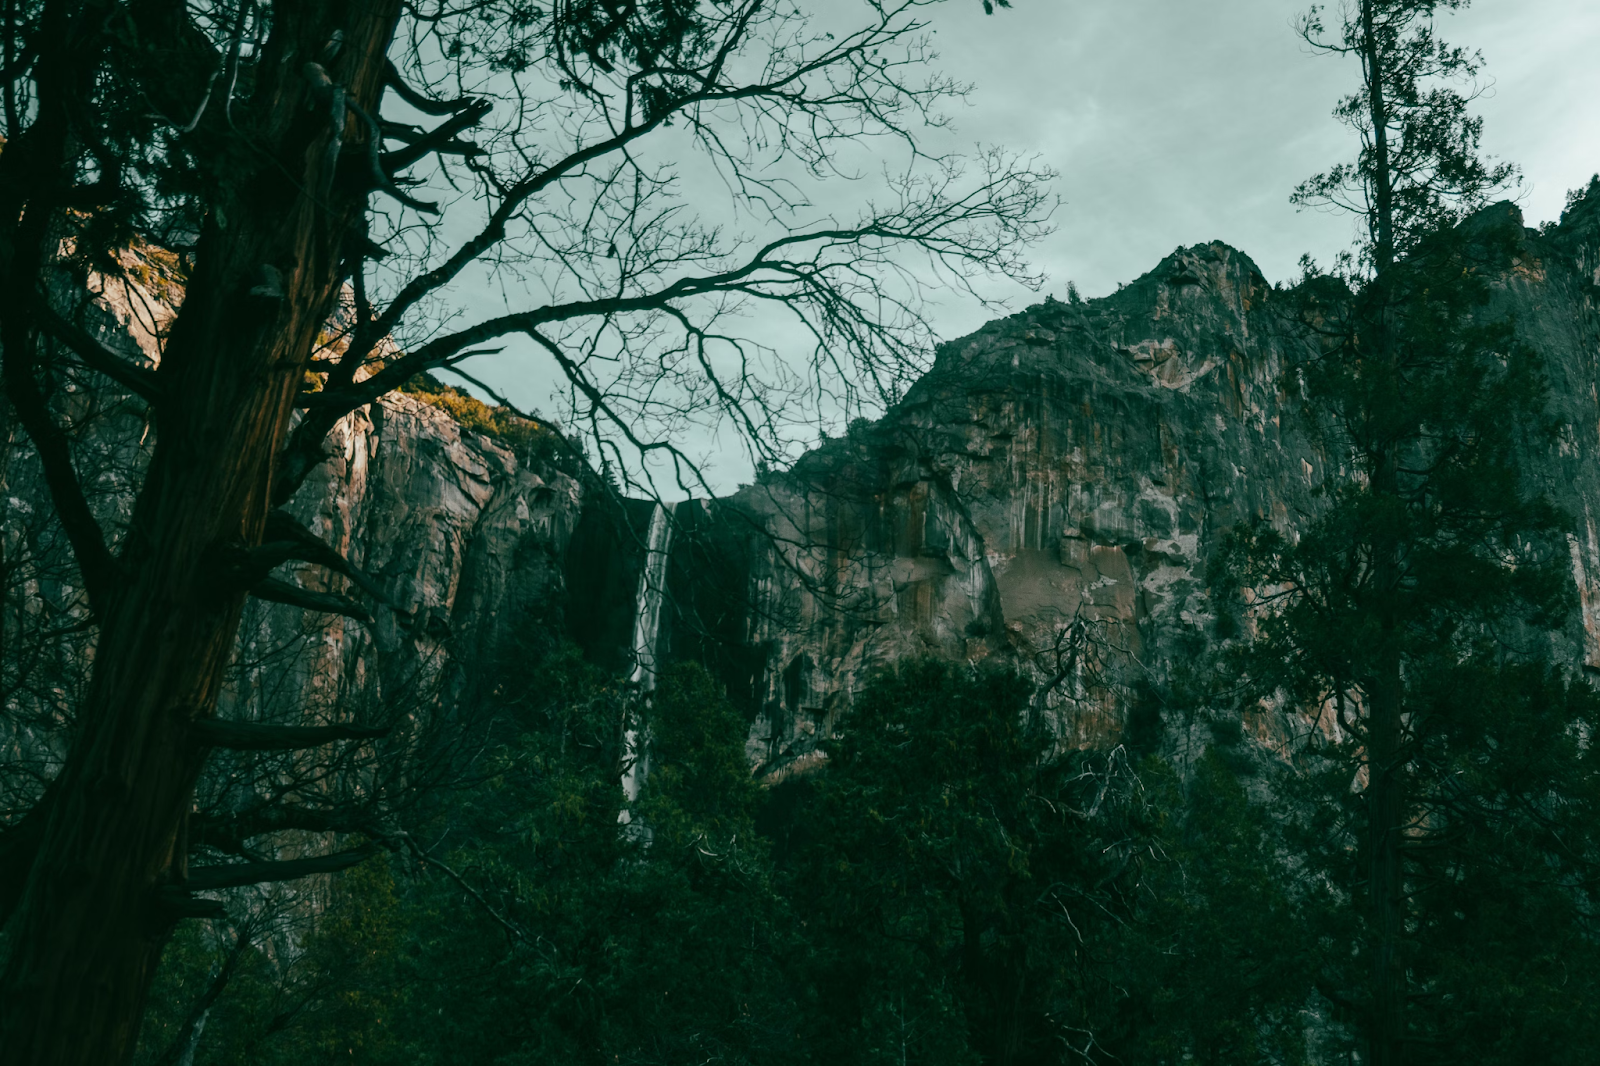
x: 646, y: 629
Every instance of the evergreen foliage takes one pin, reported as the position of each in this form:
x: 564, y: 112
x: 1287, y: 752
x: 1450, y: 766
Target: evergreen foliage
x: 597, y: 942
x: 1442, y: 789
x: 1419, y: 170
x: 537, y: 928
x: 945, y: 863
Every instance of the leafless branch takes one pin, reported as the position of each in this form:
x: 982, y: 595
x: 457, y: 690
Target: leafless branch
x: 136, y: 379
x: 275, y: 590
x: 254, y: 736
x: 238, y: 875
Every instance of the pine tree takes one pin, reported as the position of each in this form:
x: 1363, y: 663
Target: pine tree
x: 1409, y: 621
x: 965, y: 887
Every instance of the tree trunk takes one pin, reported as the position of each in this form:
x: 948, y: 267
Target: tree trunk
x: 1385, y: 916
x: 1386, y: 799
x: 1385, y: 739
x: 89, y: 929
x: 1377, y: 75
x: 1385, y: 736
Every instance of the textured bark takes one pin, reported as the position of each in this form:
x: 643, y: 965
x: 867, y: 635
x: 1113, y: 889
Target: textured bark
x: 89, y: 930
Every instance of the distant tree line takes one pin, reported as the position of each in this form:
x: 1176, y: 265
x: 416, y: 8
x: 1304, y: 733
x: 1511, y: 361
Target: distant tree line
x: 953, y: 888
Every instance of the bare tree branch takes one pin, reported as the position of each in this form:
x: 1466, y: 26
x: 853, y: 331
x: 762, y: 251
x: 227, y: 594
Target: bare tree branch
x: 238, y: 875
x: 440, y: 138
x: 181, y: 1051
x: 254, y: 736
x: 287, y: 538
x: 228, y: 831
x: 393, y: 79
x: 278, y: 591
x: 512, y: 929
x: 136, y: 379
x: 100, y: 571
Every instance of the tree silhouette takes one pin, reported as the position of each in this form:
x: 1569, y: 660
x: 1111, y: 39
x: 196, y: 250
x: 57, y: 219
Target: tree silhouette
x: 1410, y: 619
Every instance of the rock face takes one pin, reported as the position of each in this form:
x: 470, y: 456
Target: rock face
x: 1049, y: 495
x: 1053, y: 489
x: 465, y: 539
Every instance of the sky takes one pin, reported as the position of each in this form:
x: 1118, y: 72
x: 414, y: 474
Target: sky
x: 1177, y: 122
x: 1173, y: 122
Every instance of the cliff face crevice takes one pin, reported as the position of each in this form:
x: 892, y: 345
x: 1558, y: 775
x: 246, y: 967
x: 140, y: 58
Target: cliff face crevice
x: 464, y: 538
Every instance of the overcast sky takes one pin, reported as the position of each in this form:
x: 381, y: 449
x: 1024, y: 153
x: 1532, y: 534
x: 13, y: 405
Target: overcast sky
x: 1174, y: 122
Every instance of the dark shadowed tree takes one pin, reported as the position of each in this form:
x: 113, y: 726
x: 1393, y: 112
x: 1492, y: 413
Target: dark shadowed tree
x: 964, y: 886
x: 1410, y: 621
x: 320, y: 229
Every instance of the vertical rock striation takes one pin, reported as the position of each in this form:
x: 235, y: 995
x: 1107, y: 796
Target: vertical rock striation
x: 1053, y: 489
x: 1049, y: 492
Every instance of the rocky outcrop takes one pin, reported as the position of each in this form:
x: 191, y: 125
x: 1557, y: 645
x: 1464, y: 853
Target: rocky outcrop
x: 1050, y: 492
x: 465, y: 538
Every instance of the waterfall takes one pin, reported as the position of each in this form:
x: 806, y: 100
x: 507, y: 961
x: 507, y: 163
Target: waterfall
x: 646, y: 629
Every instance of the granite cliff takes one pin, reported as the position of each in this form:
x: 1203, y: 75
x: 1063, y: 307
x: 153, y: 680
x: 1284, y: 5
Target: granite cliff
x: 1052, y: 490
x: 1047, y: 495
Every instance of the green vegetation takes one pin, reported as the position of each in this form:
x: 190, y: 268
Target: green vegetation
x: 533, y: 441
x: 974, y: 894
x: 951, y: 889
x: 535, y: 928
x: 1443, y: 801
x: 1410, y: 881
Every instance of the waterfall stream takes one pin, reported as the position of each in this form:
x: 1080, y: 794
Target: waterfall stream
x: 646, y: 629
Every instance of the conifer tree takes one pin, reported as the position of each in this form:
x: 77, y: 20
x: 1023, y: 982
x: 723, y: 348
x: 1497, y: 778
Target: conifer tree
x: 1410, y: 620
